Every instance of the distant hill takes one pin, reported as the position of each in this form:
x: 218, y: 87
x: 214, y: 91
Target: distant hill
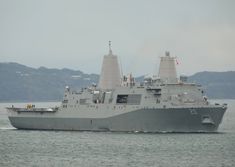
x: 216, y: 84
x: 22, y: 83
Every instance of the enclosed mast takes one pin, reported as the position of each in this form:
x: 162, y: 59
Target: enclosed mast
x: 110, y: 73
x: 167, y: 70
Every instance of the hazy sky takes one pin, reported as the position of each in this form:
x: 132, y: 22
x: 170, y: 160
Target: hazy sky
x: 75, y: 34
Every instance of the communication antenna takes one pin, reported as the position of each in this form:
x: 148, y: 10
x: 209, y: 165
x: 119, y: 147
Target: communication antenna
x: 110, y: 50
x: 121, y: 67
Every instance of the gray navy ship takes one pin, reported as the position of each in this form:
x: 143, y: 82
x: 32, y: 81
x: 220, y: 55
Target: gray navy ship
x: 161, y: 103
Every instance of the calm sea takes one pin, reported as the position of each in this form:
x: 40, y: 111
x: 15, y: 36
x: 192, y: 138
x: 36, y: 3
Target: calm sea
x: 66, y: 148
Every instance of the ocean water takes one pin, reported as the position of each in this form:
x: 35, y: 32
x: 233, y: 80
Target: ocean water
x: 68, y: 148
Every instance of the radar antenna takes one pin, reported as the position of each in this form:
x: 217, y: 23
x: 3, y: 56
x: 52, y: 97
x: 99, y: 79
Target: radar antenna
x: 167, y: 53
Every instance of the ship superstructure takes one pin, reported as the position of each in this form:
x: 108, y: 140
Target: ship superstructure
x: 118, y: 103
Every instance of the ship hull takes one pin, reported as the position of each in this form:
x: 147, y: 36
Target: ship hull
x: 142, y: 120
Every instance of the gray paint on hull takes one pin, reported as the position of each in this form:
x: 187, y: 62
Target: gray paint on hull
x: 145, y: 120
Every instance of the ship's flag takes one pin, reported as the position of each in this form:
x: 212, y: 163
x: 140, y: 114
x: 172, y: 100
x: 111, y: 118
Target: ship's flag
x: 176, y: 61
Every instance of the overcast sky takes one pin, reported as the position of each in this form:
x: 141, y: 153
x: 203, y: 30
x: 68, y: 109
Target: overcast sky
x: 75, y: 34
